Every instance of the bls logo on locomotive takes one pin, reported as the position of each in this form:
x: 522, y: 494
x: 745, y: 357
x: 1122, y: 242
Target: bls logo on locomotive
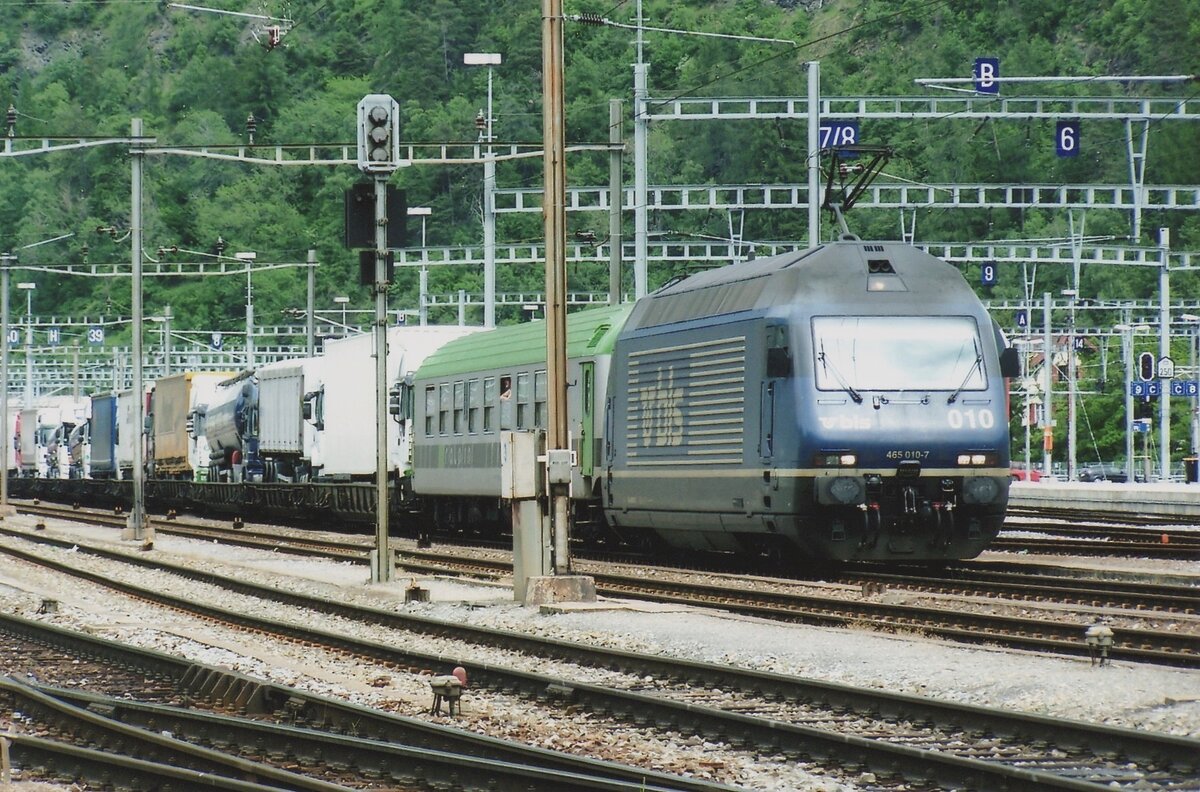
x: 659, y: 411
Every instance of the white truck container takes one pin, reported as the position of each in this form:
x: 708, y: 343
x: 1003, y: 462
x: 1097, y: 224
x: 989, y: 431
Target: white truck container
x: 346, y: 443
x: 289, y: 404
x: 128, y: 433
x: 42, y: 433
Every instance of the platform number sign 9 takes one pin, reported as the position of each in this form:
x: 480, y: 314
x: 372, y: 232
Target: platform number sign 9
x: 1066, y: 139
x: 95, y: 335
x: 987, y: 273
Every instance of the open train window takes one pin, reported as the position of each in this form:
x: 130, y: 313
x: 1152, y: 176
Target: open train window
x: 489, y: 405
x: 779, y: 353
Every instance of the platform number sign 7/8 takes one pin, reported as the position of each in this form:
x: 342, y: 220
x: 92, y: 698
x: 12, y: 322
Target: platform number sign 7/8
x: 1066, y: 139
x: 835, y: 134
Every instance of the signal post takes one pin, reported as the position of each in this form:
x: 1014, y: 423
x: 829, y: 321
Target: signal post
x: 379, y: 157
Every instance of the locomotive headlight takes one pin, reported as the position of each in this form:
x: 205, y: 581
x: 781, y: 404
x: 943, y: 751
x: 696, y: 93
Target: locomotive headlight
x: 835, y: 459
x: 976, y: 460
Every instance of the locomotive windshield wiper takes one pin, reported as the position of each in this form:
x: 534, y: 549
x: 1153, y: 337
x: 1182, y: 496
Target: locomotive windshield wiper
x: 832, y: 369
x: 978, y: 364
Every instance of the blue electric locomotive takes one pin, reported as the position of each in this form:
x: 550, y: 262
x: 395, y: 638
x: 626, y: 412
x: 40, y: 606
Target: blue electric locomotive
x: 845, y: 402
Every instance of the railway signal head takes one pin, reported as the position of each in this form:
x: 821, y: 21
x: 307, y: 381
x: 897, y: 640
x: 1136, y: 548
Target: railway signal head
x: 378, y: 134
x: 1146, y: 366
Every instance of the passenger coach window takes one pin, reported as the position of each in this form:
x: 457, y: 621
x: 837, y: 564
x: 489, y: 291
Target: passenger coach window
x: 540, y: 417
x: 524, y: 397
x: 444, y: 397
x: 489, y: 404
x: 459, y: 406
x: 430, y: 409
x: 506, y: 403
x: 473, y: 406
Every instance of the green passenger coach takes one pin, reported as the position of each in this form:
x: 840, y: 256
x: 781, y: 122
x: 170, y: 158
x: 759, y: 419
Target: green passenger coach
x: 469, y: 391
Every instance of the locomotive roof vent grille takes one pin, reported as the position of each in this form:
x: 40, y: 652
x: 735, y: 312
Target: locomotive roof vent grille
x: 880, y: 267
x: 873, y: 248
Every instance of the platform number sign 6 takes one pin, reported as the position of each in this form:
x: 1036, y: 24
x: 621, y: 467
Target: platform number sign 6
x: 1066, y: 139
x: 987, y: 273
x: 95, y: 335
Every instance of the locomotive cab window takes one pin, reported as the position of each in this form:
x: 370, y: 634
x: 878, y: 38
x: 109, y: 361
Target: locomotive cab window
x: 779, y: 354
x: 914, y: 353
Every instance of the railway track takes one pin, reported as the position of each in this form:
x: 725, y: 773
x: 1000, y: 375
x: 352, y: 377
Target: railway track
x: 1060, y: 632
x: 918, y: 740
x: 233, y: 729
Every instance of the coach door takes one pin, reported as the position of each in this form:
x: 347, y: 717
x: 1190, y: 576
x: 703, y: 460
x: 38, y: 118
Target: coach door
x: 587, y: 434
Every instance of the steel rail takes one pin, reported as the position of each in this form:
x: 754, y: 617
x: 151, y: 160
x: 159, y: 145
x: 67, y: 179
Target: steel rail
x: 709, y: 720
x: 123, y: 740
x: 260, y: 696
x: 1154, y: 646
x: 375, y: 758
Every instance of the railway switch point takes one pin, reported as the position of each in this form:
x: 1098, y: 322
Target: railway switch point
x: 1099, y: 639
x: 449, y: 689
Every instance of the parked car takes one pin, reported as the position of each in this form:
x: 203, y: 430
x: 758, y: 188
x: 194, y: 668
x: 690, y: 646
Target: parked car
x: 1103, y: 472
x: 1019, y: 473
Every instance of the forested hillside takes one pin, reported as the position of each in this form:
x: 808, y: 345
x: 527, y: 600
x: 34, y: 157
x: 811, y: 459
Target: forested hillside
x: 86, y: 68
